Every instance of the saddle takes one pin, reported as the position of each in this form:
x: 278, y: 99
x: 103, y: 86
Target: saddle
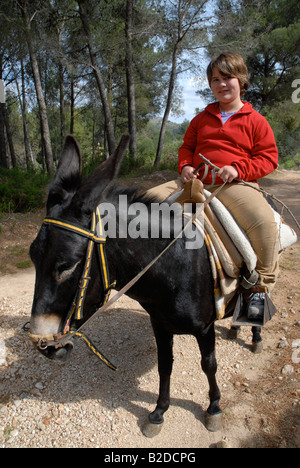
x: 233, y: 260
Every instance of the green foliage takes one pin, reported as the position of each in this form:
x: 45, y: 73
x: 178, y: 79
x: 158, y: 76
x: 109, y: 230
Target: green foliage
x: 147, y: 144
x: 21, y: 191
x: 284, y: 118
x: 272, y: 46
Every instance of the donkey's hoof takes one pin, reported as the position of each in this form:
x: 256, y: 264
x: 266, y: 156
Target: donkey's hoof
x: 214, y: 423
x: 151, y: 430
x: 257, y: 348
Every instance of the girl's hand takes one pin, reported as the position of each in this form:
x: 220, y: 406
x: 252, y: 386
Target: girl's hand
x: 187, y: 174
x: 228, y: 173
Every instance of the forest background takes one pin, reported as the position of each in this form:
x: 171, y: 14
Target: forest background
x: 98, y: 68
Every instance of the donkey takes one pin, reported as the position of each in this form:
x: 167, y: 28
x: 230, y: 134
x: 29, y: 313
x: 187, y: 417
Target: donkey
x: 177, y: 291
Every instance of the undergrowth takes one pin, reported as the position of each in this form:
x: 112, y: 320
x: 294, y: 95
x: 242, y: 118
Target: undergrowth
x: 22, y: 191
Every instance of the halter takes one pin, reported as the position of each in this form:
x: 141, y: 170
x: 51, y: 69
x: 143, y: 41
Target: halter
x: 95, y: 236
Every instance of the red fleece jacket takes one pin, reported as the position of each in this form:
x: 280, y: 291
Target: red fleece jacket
x: 246, y: 141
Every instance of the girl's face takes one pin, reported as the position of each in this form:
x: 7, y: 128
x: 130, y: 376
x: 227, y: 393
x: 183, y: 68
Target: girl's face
x: 226, y: 89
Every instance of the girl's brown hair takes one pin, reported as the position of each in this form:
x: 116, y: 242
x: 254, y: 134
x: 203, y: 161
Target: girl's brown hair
x: 229, y: 64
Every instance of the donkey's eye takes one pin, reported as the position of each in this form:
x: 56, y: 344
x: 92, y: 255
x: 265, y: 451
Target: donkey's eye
x: 64, y: 272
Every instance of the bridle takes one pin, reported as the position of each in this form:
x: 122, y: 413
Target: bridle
x: 96, y: 238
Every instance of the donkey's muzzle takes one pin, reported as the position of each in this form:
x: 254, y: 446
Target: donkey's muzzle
x: 50, y: 348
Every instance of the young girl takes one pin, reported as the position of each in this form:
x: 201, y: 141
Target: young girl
x: 236, y: 138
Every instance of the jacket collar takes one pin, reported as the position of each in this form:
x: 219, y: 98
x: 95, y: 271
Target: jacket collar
x: 214, y: 108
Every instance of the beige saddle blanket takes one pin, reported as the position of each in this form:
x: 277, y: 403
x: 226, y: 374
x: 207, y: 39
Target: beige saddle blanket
x: 228, y: 245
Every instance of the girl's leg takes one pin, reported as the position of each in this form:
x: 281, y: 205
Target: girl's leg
x: 255, y: 216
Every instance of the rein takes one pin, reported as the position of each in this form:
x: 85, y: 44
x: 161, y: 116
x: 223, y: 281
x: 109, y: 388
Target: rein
x: 95, y: 236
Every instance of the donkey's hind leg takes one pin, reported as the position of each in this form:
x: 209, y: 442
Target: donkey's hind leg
x: 257, y: 342
x: 164, y: 342
x: 209, y: 366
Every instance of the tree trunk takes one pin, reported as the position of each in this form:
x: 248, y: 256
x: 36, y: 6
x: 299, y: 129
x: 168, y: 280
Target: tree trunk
x: 72, y: 104
x: 61, y: 104
x: 182, y: 10
x: 172, y: 83
x: 39, y: 92
x: 61, y: 88
x: 99, y: 79
x: 9, y: 138
x: 28, y: 150
x: 130, y: 80
x: 23, y: 107
x: 3, y: 148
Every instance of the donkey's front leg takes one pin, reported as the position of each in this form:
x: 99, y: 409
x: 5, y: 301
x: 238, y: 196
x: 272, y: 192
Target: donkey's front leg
x: 164, y: 342
x: 209, y: 366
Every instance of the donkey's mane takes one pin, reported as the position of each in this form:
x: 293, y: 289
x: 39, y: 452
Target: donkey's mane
x: 134, y: 194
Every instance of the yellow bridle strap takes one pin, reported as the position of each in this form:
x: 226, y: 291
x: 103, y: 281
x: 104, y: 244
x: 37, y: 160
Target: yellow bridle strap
x: 60, y: 340
x: 103, y: 260
x: 71, y: 227
x: 93, y: 348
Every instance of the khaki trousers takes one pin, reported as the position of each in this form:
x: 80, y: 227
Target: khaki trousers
x: 253, y: 214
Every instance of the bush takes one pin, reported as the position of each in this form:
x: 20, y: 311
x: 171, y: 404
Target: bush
x: 284, y: 118
x: 21, y: 191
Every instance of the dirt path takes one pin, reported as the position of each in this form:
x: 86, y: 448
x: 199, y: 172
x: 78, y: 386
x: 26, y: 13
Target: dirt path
x: 83, y: 404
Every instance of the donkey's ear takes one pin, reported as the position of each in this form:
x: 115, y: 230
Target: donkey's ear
x: 91, y: 191
x: 68, y: 175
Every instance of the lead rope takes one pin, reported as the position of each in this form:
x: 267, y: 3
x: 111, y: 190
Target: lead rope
x: 61, y: 339
x: 94, y: 349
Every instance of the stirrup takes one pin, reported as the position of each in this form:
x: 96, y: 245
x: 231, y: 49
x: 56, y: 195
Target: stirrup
x: 240, y: 315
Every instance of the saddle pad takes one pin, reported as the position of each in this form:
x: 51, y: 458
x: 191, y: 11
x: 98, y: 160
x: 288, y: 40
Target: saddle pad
x: 287, y: 235
x: 225, y: 286
x: 236, y: 233
x: 225, y: 233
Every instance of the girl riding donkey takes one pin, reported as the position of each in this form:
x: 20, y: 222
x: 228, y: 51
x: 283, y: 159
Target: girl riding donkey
x: 236, y: 138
